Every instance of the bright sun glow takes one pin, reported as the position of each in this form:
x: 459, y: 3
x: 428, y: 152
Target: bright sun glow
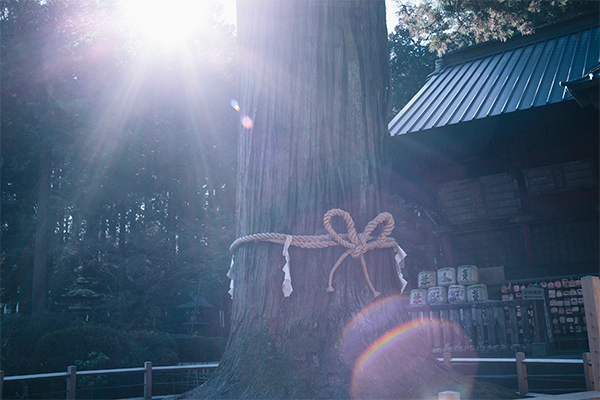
x: 165, y: 23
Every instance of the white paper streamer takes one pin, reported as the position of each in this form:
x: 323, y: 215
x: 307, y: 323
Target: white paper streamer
x: 400, y: 255
x: 230, y: 276
x: 286, y: 287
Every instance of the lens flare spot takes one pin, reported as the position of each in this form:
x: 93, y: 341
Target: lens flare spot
x: 235, y: 104
x: 247, y: 122
x: 367, y: 326
x: 382, y: 350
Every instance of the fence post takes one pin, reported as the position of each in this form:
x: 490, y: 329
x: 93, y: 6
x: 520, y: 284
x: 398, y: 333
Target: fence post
x: 448, y: 395
x: 71, y: 382
x: 587, y: 370
x: 522, y: 374
x: 447, y: 357
x: 1, y: 383
x: 148, y: 380
x: 591, y: 299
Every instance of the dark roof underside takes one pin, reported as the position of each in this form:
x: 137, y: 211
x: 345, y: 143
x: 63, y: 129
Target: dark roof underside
x: 516, y: 78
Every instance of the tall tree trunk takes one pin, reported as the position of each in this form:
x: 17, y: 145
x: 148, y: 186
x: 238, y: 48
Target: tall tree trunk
x: 42, y: 228
x: 122, y: 215
x: 314, y: 81
x: 122, y: 212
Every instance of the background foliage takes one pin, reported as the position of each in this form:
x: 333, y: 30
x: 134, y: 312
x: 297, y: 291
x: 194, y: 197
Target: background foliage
x: 118, y: 165
x: 450, y: 24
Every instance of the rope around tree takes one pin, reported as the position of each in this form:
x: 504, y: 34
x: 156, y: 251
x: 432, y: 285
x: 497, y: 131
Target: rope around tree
x: 357, y: 245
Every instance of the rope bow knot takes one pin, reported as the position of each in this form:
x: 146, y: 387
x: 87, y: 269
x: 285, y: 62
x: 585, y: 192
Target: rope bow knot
x: 358, y: 244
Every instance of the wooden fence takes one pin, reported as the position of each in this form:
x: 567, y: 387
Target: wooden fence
x: 485, y: 327
x: 72, y: 374
x: 521, y: 366
x: 519, y: 360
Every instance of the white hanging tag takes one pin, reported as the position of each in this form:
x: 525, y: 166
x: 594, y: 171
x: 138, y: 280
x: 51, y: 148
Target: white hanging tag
x: 286, y: 287
x: 400, y: 255
x: 230, y: 276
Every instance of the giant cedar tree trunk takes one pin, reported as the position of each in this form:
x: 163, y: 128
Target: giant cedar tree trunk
x: 314, y: 80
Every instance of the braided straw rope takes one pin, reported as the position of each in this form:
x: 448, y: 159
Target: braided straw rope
x: 356, y: 243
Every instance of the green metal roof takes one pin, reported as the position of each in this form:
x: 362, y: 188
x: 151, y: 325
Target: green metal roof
x: 497, y: 78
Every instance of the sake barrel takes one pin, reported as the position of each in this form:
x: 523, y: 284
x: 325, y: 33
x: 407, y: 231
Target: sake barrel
x: 418, y: 297
x: 477, y: 293
x: 446, y: 276
x: 426, y: 279
x: 436, y: 295
x: 467, y: 275
x: 457, y: 294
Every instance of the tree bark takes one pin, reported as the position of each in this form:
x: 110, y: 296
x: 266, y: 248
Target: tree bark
x: 314, y: 80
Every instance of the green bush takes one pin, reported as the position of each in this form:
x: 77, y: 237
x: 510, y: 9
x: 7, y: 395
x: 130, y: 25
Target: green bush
x: 59, y: 349
x: 161, y: 349
x: 20, y: 333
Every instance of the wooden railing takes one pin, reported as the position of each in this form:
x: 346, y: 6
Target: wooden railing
x: 485, y: 327
x: 521, y: 366
x: 519, y: 360
x: 72, y: 374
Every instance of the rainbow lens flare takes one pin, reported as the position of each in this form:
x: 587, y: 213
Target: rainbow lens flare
x: 383, y: 365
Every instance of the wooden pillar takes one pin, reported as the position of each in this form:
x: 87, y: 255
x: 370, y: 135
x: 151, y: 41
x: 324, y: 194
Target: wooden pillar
x: 514, y: 327
x: 436, y: 329
x: 500, y: 324
x: 447, y: 357
x: 148, y: 380
x: 71, y: 382
x: 468, y: 325
x: 528, y: 246
x: 447, y: 339
x: 522, y: 374
x: 478, y: 322
x: 1, y: 384
x: 591, y: 299
x: 587, y: 371
x: 491, y: 326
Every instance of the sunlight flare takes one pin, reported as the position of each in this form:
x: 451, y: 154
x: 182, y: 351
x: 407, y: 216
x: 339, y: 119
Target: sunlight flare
x: 168, y: 24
